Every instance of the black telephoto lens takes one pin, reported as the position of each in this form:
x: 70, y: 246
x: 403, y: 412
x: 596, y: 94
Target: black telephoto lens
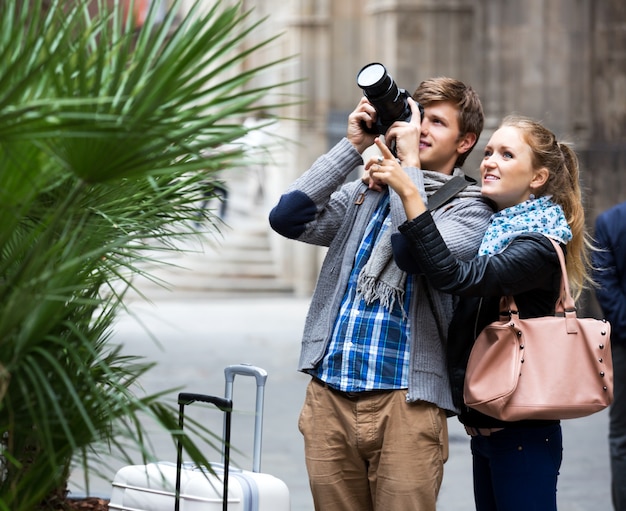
x: 382, y: 92
x: 374, y: 80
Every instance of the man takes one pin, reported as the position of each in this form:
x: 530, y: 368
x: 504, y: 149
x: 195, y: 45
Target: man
x: 609, y: 263
x: 374, y: 417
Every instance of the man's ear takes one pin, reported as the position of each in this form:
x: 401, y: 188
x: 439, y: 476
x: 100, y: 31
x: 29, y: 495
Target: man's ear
x: 466, y: 142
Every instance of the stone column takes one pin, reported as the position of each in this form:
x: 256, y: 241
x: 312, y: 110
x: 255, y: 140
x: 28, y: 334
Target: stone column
x: 309, y: 26
x: 606, y: 155
x: 418, y: 39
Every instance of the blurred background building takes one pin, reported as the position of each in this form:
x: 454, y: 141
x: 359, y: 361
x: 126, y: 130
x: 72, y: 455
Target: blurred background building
x: 560, y: 61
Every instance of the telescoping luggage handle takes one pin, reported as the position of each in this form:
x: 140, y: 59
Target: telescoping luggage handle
x: 225, y: 405
x: 261, y: 377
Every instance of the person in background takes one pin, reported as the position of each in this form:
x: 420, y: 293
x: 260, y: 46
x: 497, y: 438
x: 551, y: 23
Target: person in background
x: 374, y: 416
x: 533, y: 181
x: 609, y: 263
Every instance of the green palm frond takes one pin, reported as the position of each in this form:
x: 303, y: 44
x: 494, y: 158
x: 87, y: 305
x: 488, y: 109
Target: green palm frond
x: 108, y: 139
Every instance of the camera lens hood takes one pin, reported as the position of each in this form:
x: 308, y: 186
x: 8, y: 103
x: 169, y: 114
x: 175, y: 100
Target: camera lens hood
x: 374, y: 80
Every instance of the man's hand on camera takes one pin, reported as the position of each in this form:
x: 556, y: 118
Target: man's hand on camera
x: 405, y: 137
x: 364, y: 113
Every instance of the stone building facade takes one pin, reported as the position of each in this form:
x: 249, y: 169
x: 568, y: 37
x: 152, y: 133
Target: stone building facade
x: 560, y: 61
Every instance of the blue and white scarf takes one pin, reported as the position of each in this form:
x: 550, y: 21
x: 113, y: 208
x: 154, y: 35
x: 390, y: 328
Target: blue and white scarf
x: 534, y: 215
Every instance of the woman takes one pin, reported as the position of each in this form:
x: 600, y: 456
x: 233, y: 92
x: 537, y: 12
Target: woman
x: 532, y: 180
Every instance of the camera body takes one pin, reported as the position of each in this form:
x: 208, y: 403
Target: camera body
x: 390, y: 102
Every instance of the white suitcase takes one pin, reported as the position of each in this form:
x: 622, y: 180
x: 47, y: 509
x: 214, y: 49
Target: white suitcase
x: 154, y: 487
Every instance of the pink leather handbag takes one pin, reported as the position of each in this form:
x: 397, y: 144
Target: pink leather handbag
x: 554, y: 367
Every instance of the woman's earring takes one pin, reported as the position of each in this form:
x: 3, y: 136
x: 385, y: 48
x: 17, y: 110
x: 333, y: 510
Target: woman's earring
x: 532, y: 196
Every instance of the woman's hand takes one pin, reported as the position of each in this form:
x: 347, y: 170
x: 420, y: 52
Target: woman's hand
x: 385, y: 170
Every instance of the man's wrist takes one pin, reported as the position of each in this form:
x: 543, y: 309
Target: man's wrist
x: 410, y: 162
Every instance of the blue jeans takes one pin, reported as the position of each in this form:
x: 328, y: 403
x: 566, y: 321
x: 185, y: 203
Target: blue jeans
x: 617, y: 428
x: 517, y: 469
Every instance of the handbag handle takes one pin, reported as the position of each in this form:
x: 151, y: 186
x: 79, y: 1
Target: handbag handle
x: 565, y: 303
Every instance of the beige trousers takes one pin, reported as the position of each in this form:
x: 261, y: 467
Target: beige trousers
x: 372, y: 451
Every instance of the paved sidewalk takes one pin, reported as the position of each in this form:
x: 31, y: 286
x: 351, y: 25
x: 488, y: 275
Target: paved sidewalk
x: 199, y: 336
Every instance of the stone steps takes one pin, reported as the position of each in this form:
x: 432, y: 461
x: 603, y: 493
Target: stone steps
x: 236, y: 260
x: 233, y: 258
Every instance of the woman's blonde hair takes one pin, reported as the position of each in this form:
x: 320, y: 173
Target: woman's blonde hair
x: 563, y: 184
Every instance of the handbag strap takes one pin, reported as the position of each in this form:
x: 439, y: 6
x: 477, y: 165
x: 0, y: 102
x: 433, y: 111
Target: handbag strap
x: 565, y: 303
x: 565, y: 300
x: 449, y: 189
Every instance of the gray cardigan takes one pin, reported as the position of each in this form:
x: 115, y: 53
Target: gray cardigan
x: 318, y: 208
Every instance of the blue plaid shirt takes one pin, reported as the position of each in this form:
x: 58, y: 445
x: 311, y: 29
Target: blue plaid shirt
x: 369, y: 347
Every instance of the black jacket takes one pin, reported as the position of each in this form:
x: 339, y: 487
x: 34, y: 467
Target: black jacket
x: 528, y: 269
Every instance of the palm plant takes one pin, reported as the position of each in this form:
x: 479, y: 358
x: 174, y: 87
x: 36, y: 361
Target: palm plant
x: 108, y: 139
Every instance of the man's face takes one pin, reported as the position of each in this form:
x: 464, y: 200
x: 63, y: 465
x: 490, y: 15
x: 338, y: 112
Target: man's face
x: 439, y: 140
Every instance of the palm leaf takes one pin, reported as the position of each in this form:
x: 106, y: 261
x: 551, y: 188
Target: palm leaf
x: 108, y: 139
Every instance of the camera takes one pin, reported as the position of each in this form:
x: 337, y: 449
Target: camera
x: 390, y: 102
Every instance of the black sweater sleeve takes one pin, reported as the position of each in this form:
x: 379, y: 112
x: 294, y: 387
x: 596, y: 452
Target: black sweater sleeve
x: 528, y: 263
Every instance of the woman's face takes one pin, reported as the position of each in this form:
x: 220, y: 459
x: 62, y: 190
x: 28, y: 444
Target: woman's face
x: 506, y: 169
